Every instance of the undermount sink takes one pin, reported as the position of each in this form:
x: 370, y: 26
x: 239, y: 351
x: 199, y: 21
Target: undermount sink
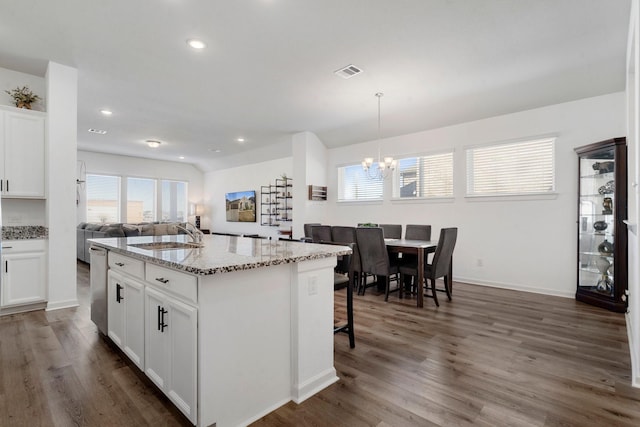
x: 161, y: 246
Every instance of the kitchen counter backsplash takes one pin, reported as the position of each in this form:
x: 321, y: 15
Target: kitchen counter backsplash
x: 24, y: 232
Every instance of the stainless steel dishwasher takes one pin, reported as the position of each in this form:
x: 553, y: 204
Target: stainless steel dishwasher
x: 98, y: 275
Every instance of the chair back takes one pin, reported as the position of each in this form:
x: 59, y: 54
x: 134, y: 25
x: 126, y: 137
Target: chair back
x: 320, y: 233
x: 417, y: 232
x: 307, y: 229
x: 373, y: 252
x: 392, y: 231
x: 444, y: 251
x: 346, y: 235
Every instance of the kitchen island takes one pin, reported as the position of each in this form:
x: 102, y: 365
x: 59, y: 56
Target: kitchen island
x: 229, y: 331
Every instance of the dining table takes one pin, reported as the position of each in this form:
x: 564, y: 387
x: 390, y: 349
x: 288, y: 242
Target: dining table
x: 418, y: 247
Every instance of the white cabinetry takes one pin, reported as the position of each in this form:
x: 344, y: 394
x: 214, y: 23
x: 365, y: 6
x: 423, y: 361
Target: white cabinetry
x: 153, y: 318
x: 126, y: 316
x: 23, y: 272
x: 171, y: 348
x: 22, y: 153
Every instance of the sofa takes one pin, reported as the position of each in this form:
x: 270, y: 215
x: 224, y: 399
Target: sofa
x: 86, y: 231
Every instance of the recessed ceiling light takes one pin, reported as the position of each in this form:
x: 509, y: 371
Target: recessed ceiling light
x: 181, y: 157
x: 153, y: 143
x: 240, y: 139
x: 98, y: 131
x: 196, y: 44
x: 106, y: 112
x: 215, y: 150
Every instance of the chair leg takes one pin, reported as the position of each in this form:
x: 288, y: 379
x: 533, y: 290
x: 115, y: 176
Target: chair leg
x: 447, y: 286
x: 352, y: 338
x: 433, y: 291
x: 401, y: 284
x: 386, y: 291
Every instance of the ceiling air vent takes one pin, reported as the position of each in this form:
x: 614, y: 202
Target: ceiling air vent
x: 348, y: 71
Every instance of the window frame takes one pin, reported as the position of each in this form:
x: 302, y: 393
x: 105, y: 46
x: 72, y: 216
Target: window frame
x: 552, y: 193
x: 395, y: 197
x: 357, y: 200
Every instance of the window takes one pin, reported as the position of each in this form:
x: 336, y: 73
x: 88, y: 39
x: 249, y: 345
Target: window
x: 424, y: 176
x: 141, y: 200
x: 517, y: 168
x: 174, y: 201
x: 103, y: 198
x: 354, y: 184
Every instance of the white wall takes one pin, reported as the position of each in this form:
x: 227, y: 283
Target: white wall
x: 310, y: 168
x: 10, y: 79
x: 527, y: 244
x: 242, y: 178
x: 110, y: 164
x: 62, y: 108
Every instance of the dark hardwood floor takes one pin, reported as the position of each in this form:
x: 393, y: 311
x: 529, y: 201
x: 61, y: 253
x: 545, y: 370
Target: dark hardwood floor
x: 489, y: 358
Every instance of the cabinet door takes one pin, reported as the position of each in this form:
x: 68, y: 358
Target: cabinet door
x: 116, y: 309
x: 23, y: 277
x: 134, y: 321
x: 156, y: 346
x: 182, y: 335
x: 24, y: 142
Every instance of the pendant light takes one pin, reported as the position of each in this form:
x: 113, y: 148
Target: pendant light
x: 385, y: 165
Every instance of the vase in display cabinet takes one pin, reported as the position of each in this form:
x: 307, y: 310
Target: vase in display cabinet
x: 602, y: 234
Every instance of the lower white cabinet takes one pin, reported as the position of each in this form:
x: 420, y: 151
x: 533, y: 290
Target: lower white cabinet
x: 23, y: 272
x: 125, y: 306
x: 171, y: 348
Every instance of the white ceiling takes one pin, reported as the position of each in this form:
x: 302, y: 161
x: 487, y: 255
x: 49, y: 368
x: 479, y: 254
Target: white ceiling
x: 268, y: 70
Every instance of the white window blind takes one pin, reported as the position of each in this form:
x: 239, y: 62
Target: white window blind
x: 354, y: 184
x: 103, y: 198
x: 424, y: 176
x: 517, y: 168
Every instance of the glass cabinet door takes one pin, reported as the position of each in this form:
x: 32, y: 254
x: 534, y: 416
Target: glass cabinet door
x: 600, y: 226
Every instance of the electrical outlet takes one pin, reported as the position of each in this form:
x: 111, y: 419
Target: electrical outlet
x: 312, y: 285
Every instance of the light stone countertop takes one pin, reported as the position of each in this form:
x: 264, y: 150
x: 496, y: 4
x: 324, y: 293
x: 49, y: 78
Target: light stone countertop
x: 221, y: 254
x: 24, y: 232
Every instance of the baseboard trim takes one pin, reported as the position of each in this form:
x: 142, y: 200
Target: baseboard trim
x: 58, y: 305
x: 510, y: 286
x: 633, y: 353
x: 303, y: 391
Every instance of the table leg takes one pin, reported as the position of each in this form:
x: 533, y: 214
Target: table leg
x: 420, y: 278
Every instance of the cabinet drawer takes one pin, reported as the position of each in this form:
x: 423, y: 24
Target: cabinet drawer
x: 181, y: 284
x: 26, y: 245
x: 125, y: 264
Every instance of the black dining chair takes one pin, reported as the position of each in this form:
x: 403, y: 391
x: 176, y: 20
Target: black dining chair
x: 347, y: 279
x: 440, y: 266
x: 343, y: 234
x: 307, y: 231
x: 414, y: 232
x: 320, y: 233
x: 392, y: 231
x: 374, y: 257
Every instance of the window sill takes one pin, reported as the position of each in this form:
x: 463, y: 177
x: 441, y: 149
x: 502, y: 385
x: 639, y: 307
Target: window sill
x: 399, y: 200
x: 360, y: 202
x: 511, y: 197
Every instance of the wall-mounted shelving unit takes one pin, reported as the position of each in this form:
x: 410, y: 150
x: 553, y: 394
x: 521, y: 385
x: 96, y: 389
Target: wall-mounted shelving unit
x: 317, y: 192
x: 276, y: 203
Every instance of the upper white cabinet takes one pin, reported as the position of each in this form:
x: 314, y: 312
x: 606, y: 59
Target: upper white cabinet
x: 22, y: 153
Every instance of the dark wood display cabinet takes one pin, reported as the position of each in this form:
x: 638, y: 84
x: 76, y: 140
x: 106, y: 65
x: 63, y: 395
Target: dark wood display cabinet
x: 602, y: 234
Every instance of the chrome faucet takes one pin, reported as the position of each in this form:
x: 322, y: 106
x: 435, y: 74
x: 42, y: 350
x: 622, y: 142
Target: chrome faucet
x: 195, y: 234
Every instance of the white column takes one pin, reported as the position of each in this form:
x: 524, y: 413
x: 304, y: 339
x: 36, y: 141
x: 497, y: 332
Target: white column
x: 62, y: 113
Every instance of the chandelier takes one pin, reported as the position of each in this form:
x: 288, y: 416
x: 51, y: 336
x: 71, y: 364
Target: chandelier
x: 385, y: 166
